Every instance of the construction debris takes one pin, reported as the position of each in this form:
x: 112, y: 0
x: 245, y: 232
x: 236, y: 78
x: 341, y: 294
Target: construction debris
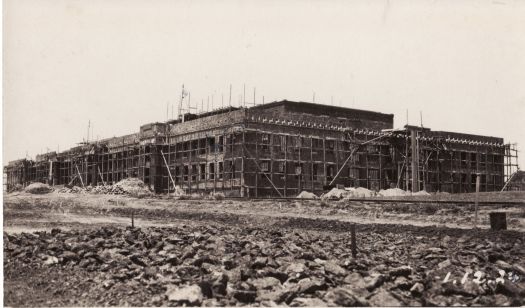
x: 421, y: 193
x: 38, y: 188
x: 307, y: 195
x: 393, y: 192
x: 335, y: 194
x: 130, y: 186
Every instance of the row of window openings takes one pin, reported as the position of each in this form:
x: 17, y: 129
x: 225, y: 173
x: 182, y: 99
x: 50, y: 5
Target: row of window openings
x: 199, y: 171
x: 330, y: 170
x: 279, y: 144
x: 280, y: 141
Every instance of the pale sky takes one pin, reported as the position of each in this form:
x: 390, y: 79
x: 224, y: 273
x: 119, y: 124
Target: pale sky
x: 118, y: 63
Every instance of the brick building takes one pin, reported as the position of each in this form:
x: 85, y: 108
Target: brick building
x: 277, y: 149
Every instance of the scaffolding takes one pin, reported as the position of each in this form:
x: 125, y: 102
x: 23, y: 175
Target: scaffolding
x: 511, y: 166
x: 279, y: 149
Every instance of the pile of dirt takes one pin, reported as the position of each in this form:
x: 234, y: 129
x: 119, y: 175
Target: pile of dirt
x: 393, y: 192
x: 335, y: 194
x: 306, y: 195
x: 421, y: 193
x: 361, y: 192
x: 38, y: 188
x: 131, y: 186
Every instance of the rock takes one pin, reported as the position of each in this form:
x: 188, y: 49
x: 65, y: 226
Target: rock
x: 219, y: 283
x: 342, y: 297
x: 260, y: 262
x: 234, y: 275
x: 51, y: 260
x: 472, y: 288
x: 383, y: 298
x: 417, y: 289
x: 68, y: 256
x: 402, y: 283
x: 307, y: 302
x: 400, y: 271
x: 270, y: 272
x: 277, y: 296
x: 172, y: 259
x: 108, y: 283
x: 309, y: 285
x: 503, y: 265
x: 296, y: 268
x: 137, y: 259
x: 266, y: 283
x: 444, y: 264
x: 85, y: 262
x: 189, y: 294
x: 510, y: 289
x: 495, y: 256
x: 375, y: 281
x: 245, y: 296
x: 333, y: 268
x: 519, y: 269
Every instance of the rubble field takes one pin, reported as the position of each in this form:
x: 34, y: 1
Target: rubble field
x: 80, y: 250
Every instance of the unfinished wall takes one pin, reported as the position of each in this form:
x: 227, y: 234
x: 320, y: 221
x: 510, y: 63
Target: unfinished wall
x: 278, y: 149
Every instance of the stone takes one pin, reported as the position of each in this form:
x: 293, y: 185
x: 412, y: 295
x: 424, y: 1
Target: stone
x: 495, y: 256
x: 172, y: 259
x: 355, y: 280
x: 375, y: 281
x: 503, y: 265
x: 260, y: 262
x: 245, y: 296
x: 188, y: 294
x: 51, y: 260
x: 266, y: 283
x: 310, y: 285
x: 402, y: 283
x: 307, y: 302
x: 137, y: 259
x: 85, y: 262
x: 383, y: 298
x: 108, y: 283
x: 444, y: 264
x: 68, y: 256
x: 296, y: 268
x: 520, y: 269
x: 341, y: 297
x: 472, y: 288
x: 417, y: 288
x: 400, y: 271
x: 333, y: 268
x: 277, y: 296
x: 510, y: 289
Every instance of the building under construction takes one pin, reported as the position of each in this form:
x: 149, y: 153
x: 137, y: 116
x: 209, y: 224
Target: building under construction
x: 278, y: 150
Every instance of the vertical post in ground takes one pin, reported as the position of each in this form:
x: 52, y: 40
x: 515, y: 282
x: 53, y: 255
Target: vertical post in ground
x: 478, y: 176
x: 354, y: 244
x: 133, y: 219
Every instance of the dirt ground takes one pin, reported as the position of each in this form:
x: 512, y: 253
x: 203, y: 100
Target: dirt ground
x: 80, y: 250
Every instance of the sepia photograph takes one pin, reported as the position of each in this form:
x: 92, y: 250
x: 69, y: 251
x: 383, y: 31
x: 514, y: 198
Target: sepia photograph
x: 263, y: 153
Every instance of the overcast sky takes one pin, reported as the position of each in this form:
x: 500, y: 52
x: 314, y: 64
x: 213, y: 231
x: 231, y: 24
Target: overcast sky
x: 118, y: 63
